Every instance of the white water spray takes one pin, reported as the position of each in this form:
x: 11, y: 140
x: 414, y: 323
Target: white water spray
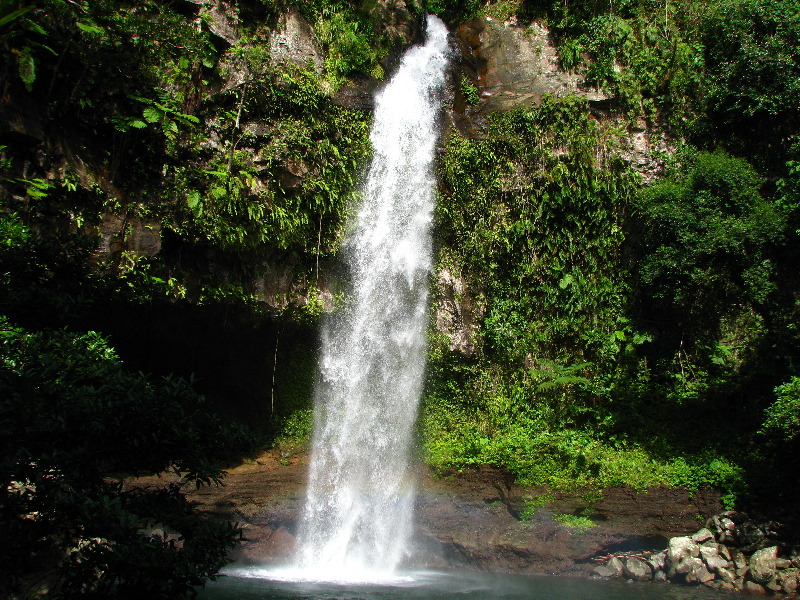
x: 357, y: 517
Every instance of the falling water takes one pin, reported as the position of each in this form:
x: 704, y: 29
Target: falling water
x: 357, y: 517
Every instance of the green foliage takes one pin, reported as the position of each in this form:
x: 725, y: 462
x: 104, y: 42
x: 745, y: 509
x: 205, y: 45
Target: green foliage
x: 453, y: 11
x: 753, y: 58
x: 782, y: 417
x: 469, y: 91
x: 562, y: 197
x: 574, y: 521
x: 532, y: 505
x: 351, y: 48
x: 707, y: 243
x: 73, y: 418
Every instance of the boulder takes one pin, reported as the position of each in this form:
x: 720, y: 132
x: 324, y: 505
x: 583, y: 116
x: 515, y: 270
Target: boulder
x: 658, y: 561
x: 637, y: 569
x: 604, y: 571
x: 716, y: 562
x: 708, y: 550
x: 681, y: 548
x: 660, y: 577
x: 726, y: 575
x: 691, y: 570
x: 616, y: 566
x: 724, y: 552
x: 701, y: 536
x: 754, y: 589
x: 789, y: 581
x: 762, y: 564
x: 739, y: 561
x: 698, y: 573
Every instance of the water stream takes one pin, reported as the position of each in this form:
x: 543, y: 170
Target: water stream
x: 356, y: 524
x: 357, y: 516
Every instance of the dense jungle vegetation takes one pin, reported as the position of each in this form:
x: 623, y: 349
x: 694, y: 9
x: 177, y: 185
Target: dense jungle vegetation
x: 161, y: 174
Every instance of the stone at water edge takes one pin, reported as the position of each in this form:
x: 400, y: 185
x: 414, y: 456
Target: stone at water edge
x: 658, y: 561
x: 754, y: 589
x: 604, y: 571
x: 686, y: 566
x: 762, y: 564
x: 681, y: 548
x: 616, y: 566
x: 637, y: 569
x: 699, y: 573
x: 660, y: 577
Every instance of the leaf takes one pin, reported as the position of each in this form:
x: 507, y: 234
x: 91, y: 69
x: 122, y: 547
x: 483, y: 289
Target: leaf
x: 137, y: 123
x: 13, y: 16
x: 26, y: 67
x: 89, y: 28
x: 152, y: 115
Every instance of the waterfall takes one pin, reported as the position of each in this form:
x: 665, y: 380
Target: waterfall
x: 357, y: 517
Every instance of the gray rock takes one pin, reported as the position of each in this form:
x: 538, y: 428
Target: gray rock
x: 715, y: 563
x: 739, y: 560
x: 616, y: 566
x: 726, y: 575
x: 774, y: 584
x: 726, y: 586
x: 637, y: 569
x: 724, y: 552
x: 518, y: 65
x: 698, y: 573
x: 220, y: 18
x: 783, y: 563
x: 754, y: 589
x: 603, y: 571
x: 690, y: 570
x: 708, y: 550
x: 294, y: 42
x: 660, y: 577
x: 701, y: 536
x: 681, y: 548
x: 789, y: 580
x: 658, y: 561
x: 762, y: 564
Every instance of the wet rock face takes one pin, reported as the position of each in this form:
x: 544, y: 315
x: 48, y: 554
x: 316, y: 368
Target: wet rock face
x: 294, y: 42
x: 457, y: 315
x: 118, y: 235
x: 516, y: 66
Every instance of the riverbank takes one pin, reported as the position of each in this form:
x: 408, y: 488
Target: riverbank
x: 476, y: 519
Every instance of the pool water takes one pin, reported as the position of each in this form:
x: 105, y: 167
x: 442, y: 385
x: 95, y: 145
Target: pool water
x: 253, y: 583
